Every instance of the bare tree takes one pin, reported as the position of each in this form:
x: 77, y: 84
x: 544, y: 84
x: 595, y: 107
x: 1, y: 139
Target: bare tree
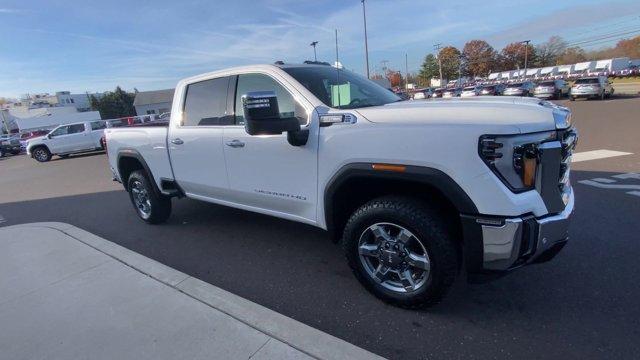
x: 549, y: 51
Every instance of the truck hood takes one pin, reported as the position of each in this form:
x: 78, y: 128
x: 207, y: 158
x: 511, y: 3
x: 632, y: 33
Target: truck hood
x: 524, y: 115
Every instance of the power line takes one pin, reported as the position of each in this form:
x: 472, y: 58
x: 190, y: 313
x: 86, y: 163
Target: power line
x: 602, y: 37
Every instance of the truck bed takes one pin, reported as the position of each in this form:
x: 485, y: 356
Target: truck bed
x: 147, y: 140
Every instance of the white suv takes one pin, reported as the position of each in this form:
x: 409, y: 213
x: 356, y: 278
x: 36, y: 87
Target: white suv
x: 67, y: 139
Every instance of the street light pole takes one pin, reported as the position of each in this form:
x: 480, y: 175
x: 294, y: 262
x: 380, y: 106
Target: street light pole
x: 315, y: 57
x: 366, y: 45
x: 437, y: 47
x: 526, y: 50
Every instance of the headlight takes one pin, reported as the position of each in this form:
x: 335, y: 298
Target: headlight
x: 514, y: 158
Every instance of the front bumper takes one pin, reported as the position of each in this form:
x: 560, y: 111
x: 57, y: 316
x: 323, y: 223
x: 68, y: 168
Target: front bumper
x: 11, y: 148
x: 508, y: 243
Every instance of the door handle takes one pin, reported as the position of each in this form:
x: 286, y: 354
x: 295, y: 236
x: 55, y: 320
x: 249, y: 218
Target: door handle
x: 235, y: 143
x: 177, y: 141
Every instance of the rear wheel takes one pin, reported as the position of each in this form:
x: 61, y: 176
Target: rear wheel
x: 41, y: 154
x: 151, y: 207
x: 401, y: 251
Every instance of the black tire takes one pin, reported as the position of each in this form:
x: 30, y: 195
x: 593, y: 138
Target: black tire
x: 430, y: 230
x: 1, y: 153
x: 602, y: 96
x: 16, y: 152
x: 158, y: 208
x: 572, y: 98
x: 41, y: 154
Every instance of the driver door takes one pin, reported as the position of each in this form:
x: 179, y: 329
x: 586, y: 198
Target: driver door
x: 265, y: 172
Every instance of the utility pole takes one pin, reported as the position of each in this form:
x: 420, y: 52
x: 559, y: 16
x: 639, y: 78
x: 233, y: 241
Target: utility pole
x: 437, y: 48
x: 460, y: 59
x: 315, y: 57
x: 366, y: 45
x: 526, y: 50
x: 406, y: 71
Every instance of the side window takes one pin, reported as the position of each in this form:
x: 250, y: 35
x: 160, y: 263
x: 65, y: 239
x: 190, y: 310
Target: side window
x: 63, y: 130
x: 98, y: 125
x: 76, y: 128
x: 260, y: 82
x: 206, y: 103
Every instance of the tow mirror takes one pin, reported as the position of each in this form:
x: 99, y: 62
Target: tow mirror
x: 262, y: 115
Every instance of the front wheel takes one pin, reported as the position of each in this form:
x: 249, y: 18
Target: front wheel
x: 401, y: 251
x: 41, y: 154
x: 151, y: 207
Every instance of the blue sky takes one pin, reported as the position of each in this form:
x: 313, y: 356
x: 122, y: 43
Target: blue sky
x: 53, y: 45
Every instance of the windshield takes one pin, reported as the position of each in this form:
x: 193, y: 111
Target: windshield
x: 546, y: 83
x: 341, y: 89
x: 512, y: 86
x: 469, y: 88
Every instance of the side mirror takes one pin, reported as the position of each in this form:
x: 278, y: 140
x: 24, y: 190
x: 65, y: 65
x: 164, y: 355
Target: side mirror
x: 49, y: 135
x: 262, y: 115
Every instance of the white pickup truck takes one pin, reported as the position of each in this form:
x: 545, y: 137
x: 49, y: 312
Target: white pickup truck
x: 415, y: 191
x: 67, y: 139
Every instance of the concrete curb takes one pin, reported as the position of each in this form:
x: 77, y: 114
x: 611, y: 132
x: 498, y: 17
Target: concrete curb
x: 302, y: 337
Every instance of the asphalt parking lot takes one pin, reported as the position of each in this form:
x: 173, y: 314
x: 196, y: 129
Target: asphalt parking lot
x: 583, y: 304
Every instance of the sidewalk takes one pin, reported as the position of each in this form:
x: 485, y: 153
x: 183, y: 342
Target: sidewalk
x: 68, y: 294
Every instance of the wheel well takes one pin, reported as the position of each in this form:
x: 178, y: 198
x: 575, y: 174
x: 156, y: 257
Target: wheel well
x: 357, y: 191
x: 127, y: 165
x: 40, y: 146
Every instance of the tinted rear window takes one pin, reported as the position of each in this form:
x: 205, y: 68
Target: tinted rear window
x: 206, y: 103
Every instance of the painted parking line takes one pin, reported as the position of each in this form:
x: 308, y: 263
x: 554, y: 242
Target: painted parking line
x: 596, y: 154
x: 612, y: 183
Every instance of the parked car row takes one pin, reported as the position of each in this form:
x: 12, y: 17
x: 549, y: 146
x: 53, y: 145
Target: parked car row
x: 598, y: 87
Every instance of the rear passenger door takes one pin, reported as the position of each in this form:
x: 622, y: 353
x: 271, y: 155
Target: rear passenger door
x: 195, y: 141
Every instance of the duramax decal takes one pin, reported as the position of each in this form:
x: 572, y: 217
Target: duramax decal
x: 275, y: 193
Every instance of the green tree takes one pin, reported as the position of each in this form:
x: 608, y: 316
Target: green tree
x: 450, y: 57
x: 114, y: 104
x: 428, y: 70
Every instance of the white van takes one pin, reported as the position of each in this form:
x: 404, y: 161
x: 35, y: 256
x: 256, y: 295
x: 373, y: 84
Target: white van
x: 67, y: 139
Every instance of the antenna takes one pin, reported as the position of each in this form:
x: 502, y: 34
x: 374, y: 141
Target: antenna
x: 337, y: 70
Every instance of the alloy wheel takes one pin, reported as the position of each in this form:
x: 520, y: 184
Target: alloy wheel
x: 394, y: 257
x: 40, y: 155
x: 140, y: 196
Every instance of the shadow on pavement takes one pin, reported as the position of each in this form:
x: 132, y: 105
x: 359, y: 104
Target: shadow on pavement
x: 582, y: 304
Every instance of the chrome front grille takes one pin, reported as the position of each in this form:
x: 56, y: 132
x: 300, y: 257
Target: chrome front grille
x: 568, y: 139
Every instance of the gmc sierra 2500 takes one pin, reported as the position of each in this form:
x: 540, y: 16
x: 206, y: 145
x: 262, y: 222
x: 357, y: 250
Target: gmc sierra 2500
x: 414, y: 190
